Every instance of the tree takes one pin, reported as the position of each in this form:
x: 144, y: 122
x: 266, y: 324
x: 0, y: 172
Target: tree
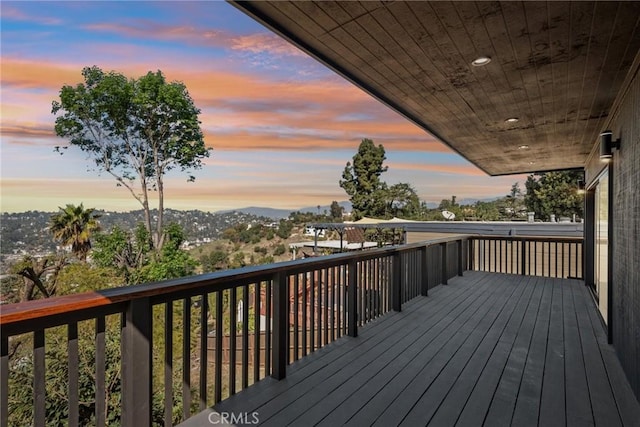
x: 336, y: 211
x: 451, y: 206
x: 214, y: 261
x: 38, y: 273
x: 361, y: 180
x: 121, y: 250
x: 132, y: 256
x: 486, y: 211
x: 73, y: 226
x: 403, y: 201
x: 136, y: 130
x: 554, y: 193
x: 285, y: 227
x: 513, y: 202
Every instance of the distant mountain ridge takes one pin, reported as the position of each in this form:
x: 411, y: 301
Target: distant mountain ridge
x: 284, y: 213
x: 260, y: 211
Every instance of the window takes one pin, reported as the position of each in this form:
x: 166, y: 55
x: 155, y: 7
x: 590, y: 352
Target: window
x: 601, y: 237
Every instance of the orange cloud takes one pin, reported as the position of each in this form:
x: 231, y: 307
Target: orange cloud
x: 31, y: 194
x: 252, y: 112
x: 254, y: 43
x: 27, y: 131
x: 28, y: 74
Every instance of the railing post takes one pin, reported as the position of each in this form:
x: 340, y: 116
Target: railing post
x: 460, y: 257
x: 471, y: 256
x: 424, y: 288
x: 445, y: 279
x: 396, y: 283
x: 4, y: 380
x: 523, y: 257
x: 280, y: 327
x: 136, y: 364
x: 352, y: 295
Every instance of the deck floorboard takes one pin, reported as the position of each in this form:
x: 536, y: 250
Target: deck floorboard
x: 486, y: 349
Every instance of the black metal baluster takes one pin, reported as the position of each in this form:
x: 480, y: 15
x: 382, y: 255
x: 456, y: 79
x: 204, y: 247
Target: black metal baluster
x: 257, y: 331
x: 72, y: 350
x: 39, y: 407
x: 267, y: 333
x: 203, y: 351
x: 168, y: 364
x: 305, y: 311
x: 296, y: 326
x: 100, y: 373
x: 312, y: 312
x: 326, y: 306
x: 245, y: 336
x: 233, y: 326
x: 352, y: 291
x: 4, y: 382
x: 217, y: 389
x: 186, y: 358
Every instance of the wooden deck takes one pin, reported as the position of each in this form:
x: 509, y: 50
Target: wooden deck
x: 487, y: 349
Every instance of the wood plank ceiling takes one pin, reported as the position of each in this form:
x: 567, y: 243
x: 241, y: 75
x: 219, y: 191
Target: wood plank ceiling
x: 555, y: 66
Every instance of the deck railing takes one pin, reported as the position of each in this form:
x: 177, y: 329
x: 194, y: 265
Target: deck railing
x: 168, y: 338
x: 536, y: 256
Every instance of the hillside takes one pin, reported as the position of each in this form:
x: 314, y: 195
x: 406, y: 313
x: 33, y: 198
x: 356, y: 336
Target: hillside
x: 27, y: 232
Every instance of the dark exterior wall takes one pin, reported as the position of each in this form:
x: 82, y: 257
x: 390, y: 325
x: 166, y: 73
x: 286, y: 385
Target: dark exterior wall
x: 625, y: 217
x: 626, y: 237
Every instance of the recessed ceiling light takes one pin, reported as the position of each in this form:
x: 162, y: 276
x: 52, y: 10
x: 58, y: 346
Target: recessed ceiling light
x: 532, y: 163
x: 523, y: 147
x: 512, y: 120
x: 481, y: 61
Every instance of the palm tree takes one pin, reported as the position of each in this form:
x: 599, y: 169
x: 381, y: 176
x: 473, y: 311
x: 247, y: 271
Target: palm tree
x: 73, y: 226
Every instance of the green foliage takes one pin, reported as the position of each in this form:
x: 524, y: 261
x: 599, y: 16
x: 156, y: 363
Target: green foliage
x: 336, y: 211
x: 56, y: 378
x: 279, y: 250
x: 238, y: 260
x: 301, y: 218
x: 246, y: 233
x: 73, y: 226
x: 122, y: 250
x: 82, y: 277
x: 554, y: 193
x: 402, y: 201
x: 284, y: 229
x: 136, y: 130
x: 39, y: 277
x: 361, y: 180
x: 214, y: 261
x: 487, y: 211
x: 132, y: 256
x: 266, y: 260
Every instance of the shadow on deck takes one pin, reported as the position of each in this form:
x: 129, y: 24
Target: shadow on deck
x: 486, y: 349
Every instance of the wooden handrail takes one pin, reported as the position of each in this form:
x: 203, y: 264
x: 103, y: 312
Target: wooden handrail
x: 12, y: 314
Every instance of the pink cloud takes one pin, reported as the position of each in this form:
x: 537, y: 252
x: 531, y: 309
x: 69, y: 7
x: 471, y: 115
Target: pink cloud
x: 26, y: 132
x: 11, y: 13
x: 259, y: 113
x: 253, y: 43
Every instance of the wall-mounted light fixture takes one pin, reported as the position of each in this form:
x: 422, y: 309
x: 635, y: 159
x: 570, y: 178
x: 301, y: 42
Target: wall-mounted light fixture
x: 581, y: 186
x: 607, y: 144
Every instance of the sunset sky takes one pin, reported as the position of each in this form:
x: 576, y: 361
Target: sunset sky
x: 281, y: 125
